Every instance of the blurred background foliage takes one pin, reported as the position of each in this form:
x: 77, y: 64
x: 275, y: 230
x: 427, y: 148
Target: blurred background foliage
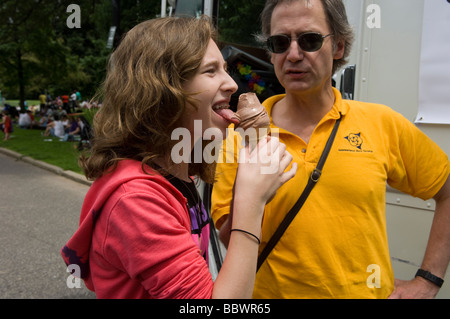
x: 39, y: 52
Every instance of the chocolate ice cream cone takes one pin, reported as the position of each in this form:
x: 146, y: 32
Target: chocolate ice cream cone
x: 253, y: 119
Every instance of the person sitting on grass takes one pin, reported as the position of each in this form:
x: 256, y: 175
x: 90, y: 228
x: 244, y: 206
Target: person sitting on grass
x: 24, y: 120
x: 55, y: 128
x: 72, y: 130
x: 43, y: 121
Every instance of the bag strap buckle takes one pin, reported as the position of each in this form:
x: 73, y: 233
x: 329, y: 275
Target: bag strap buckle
x: 315, y: 175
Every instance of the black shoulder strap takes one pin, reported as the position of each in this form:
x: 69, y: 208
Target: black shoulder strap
x: 314, y: 178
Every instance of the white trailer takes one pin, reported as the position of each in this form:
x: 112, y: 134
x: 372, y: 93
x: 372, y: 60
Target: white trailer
x: 401, y: 59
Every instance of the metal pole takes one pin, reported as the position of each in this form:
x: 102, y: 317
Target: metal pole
x: 163, y: 8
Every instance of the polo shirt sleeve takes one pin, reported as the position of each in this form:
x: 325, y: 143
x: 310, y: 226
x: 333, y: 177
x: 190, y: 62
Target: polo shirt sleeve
x: 417, y: 165
x: 226, y: 169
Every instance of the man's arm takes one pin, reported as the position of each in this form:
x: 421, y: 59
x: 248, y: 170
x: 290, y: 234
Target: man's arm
x: 437, y: 254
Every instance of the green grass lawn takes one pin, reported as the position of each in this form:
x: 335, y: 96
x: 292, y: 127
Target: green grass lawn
x: 48, y: 149
x: 16, y: 102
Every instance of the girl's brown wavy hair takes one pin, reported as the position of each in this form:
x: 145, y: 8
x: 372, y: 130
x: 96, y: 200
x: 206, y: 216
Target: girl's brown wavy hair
x: 142, y: 96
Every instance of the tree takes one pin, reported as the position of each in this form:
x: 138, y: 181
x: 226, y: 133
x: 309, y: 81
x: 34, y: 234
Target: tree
x: 39, y: 51
x: 240, y: 20
x: 25, y: 45
x: 85, y: 47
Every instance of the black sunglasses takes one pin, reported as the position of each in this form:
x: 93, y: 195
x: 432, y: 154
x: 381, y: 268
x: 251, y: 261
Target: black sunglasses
x: 308, y: 42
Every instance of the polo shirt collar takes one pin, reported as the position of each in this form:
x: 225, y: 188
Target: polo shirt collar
x: 338, y: 107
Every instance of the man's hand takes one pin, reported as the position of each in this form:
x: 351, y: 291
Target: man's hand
x: 418, y: 288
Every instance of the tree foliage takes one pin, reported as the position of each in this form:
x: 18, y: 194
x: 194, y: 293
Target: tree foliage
x: 38, y: 51
x: 239, y: 21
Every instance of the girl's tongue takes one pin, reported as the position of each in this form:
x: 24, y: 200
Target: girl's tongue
x: 229, y: 115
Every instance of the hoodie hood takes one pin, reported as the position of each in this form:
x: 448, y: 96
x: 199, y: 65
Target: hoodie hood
x: 76, y: 251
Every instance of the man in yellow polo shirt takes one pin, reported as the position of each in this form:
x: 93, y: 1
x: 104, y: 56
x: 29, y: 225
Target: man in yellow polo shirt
x: 339, y: 236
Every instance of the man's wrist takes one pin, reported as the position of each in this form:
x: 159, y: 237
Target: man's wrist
x: 430, y: 277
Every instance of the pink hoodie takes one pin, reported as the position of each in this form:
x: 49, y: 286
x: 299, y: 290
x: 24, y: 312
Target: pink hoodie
x: 134, y: 239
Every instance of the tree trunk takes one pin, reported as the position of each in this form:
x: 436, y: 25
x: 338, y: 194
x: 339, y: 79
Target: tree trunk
x: 21, y: 79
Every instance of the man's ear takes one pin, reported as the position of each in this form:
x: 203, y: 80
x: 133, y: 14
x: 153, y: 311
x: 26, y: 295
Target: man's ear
x: 340, y: 50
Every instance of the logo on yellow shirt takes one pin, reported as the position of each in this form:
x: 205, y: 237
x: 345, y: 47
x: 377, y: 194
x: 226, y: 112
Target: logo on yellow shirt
x: 355, y: 140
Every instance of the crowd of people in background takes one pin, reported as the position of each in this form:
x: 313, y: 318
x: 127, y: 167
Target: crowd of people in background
x: 56, y: 117
x: 64, y: 127
x: 69, y: 104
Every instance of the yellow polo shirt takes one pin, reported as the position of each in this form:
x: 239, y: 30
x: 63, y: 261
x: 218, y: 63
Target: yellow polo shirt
x: 336, y: 247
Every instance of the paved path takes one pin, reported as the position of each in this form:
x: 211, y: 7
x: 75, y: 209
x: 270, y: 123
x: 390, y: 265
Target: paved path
x: 39, y: 211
